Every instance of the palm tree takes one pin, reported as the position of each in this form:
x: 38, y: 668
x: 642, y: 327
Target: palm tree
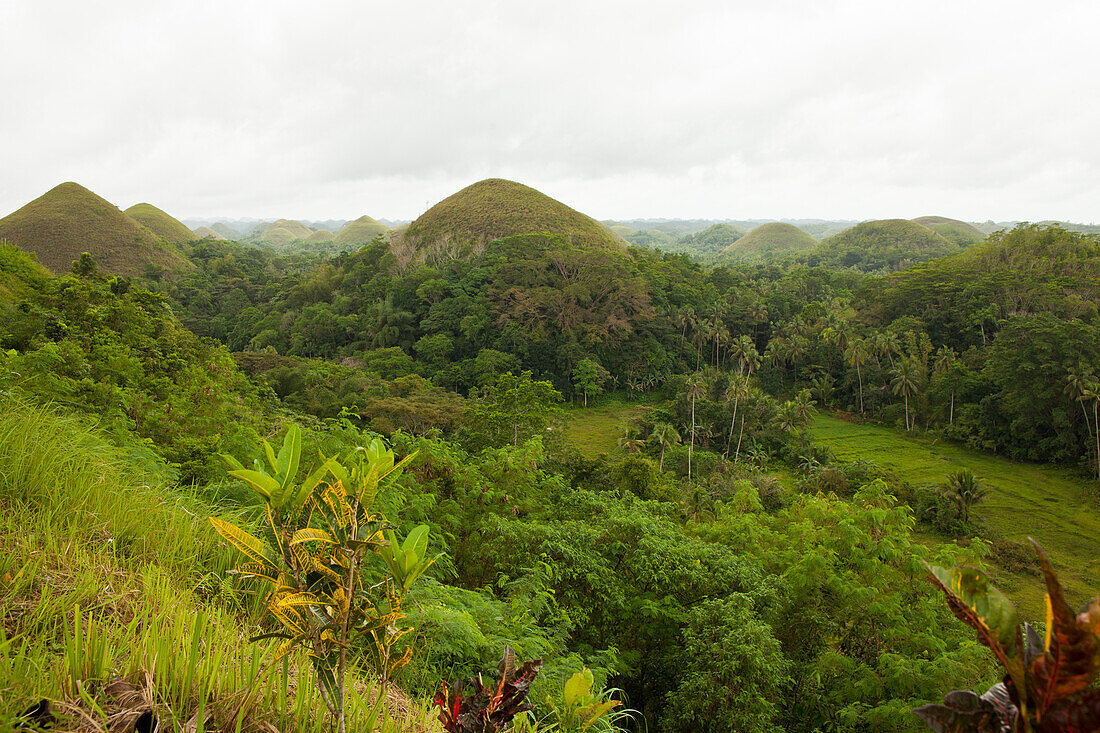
x: 905, y: 384
x: 665, y: 436
x: 1092, y: 392
x: 1077, y: 381
x: 945, y: 359
x: 696, y: 387
x: 886, y: 344
x: 744, y: 351
x: 964, y: 491
x: 856, y: 355
x: 685, y: 318
x: 631, y: 441
x: 736, y: 390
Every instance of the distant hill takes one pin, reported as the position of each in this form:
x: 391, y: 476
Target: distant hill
x: 464, y: 223
x: 225, y: 230
x: 321, y: 235
x: 707, y: 243
x: 361, y: 231
x: 953, y: 230
x: 160, y: 223
x: 207, y: 233
x: 769, y: 241
x: 281, y: 232
x: 882, y: 245
x: 69, y: 219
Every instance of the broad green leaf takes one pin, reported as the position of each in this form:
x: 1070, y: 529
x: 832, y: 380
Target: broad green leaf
x: 270, y: 453
x: 289, y: 455
x: 980, y: 605
x: 578, y: 688
x: 232, y: 462
x: 597, y: 711
x: 265, y: 485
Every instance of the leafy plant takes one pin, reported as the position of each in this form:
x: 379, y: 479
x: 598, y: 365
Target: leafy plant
x: 964, y: 490
x: 488, y: 708
x: 317, y: 535
x: 581, y: 709
x: 1046, y: 687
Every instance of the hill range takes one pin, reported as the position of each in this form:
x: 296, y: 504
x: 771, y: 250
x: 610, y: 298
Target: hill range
x: 69, y: 219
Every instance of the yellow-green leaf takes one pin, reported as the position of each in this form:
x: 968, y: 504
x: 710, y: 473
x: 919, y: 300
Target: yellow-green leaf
x: 242, y: 540
x: 310, y: 534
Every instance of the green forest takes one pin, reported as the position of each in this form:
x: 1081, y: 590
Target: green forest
x: 511, y: 469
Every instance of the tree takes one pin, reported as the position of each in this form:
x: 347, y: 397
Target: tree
x: 744, y: 351
x: 666, y: 436
x: 696, y: 387
x: 856, y: 355
x: 515, y: 409
x: 589, y: 377
x: 964, y: 490
x: 905, y: 383
x: 736, y: 390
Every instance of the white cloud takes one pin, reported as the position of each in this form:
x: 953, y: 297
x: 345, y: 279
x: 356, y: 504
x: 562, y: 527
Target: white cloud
x: 849, y: 108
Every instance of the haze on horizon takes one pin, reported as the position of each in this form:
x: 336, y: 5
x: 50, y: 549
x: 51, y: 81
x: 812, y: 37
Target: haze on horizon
x: 844, y: 109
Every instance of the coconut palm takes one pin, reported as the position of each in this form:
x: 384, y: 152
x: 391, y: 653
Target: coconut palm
x: 666, y: 436
x: 856, y: 355
x: 964, y: 490
x: 631, y: 441
x: 1092, y: 393
x: 696, y: 387
x: 744, y: 351
x: 736, y: 390
x: 905, y: 382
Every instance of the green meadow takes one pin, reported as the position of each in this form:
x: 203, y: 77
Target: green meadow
x: 1060, y: 511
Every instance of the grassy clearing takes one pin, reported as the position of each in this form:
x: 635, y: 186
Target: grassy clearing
x: 1061, y: 511
x: 596, y: 429
x: 114, y: 603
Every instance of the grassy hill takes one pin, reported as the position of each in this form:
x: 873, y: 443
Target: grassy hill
x: 361, y: 231
x: 953, y: 230
x: 207, y: 233
x: 769, y: 240
x: 321, y: 235
x: 882, y: 245
x: 225, y: 230
x: 160, y: 223
x: 709, y: 242
x: 467, y: 221
x: 69, y: 219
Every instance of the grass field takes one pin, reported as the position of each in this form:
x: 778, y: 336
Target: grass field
x: 1061, y: 511
x: 596, y: 429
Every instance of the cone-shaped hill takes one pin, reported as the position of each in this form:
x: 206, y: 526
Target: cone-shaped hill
x: 467, y: 221
x: 321, y: 235
x: 361, y: 231
x: 224, y: 230
x: 69, y: 219
x: 956, y: 231
x: 882, y: 245
x: 160, y: 223
x: 768, y: 241
x: 207, y: 233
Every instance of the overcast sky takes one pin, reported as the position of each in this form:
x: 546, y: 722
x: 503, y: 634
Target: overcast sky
x: 819, y: 108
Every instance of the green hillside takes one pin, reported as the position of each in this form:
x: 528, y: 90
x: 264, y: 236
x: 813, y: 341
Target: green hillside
x: 69, y: 219
x: 492, y: 209
x: 275, y: 229
x: 361, y: 231
x: 769, y: 240
x: 225, y: 230
x: 321, y: 235
x: 953, y: 230
x: 882, y: 245
x: 160, y: 223
x: 709, y: 242
x: 207, y: 233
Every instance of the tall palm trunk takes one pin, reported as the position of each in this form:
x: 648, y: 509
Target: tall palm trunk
x: 860, y: 375
x: 737, y: 454
x: 729, y: 438
x: 907, y: 413
x: 691, y: 448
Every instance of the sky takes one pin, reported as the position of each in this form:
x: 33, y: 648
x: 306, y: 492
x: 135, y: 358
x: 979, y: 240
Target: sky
x: 840, y: 109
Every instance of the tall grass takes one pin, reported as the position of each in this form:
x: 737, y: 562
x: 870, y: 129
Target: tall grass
x: 113, y: 602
